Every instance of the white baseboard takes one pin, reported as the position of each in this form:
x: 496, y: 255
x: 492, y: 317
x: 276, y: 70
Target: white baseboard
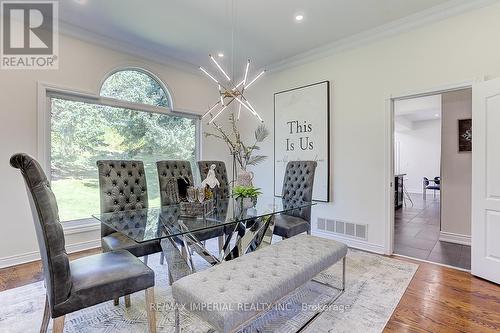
x: 354, y: 243
x: 19, y: 259
x: 34, y: 256
x: 454, y: 238
x: 82, y: 246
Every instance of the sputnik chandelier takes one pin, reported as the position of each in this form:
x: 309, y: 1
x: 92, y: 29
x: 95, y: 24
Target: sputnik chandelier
x: 229, y: 92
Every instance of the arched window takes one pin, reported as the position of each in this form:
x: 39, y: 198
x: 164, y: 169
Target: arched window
x: 137, y: 86
x: 120, y: 126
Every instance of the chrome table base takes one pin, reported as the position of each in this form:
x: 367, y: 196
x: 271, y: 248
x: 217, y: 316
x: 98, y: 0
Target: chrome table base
x: 244, y: 237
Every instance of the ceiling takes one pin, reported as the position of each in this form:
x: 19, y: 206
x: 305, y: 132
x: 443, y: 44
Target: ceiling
x: 409, y: 112
x: 265, y: 30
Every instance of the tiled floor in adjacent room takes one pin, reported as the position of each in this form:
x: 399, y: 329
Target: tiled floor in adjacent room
x: 416, y: 234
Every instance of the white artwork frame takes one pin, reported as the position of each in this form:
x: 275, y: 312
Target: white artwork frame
x: 302, y: 132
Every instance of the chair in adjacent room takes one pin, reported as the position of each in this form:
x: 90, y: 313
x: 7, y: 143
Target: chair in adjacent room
x: 78, y: 284
x: 427, y: 186
x: 122, y: 186
x: 297, y: 187
x: 224, y: 191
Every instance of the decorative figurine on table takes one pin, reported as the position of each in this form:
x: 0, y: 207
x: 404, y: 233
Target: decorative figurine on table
x: 211, y: 180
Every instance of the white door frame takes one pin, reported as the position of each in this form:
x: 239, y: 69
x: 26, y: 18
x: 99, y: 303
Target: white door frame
x: 389, y: 148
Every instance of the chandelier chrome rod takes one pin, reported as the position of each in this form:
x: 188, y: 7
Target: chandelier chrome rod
x: 220, y: 111
x: 219, y: 67
x: 208, y: 74
x: 255, y: 79
x: 210, y: 110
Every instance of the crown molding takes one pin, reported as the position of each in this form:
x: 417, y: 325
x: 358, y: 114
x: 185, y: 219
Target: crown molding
x: 142, y: 51
x: 431, y: 15
x: 156, y: 55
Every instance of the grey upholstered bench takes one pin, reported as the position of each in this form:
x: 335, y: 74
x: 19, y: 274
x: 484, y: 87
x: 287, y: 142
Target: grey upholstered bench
x: 223, y: 295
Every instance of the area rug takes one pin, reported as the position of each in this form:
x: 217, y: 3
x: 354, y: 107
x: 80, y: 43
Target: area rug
x: 374, y: 286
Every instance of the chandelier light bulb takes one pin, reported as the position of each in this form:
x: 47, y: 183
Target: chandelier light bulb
x: 220, y: 68
x: 254, y: 112
x: 246, y: 73
x: 208, y: 74
x: 255, y: 79
x: 239, y: 111
x: 246, y: 106
x: 210, y: 110
x: 218, y: 114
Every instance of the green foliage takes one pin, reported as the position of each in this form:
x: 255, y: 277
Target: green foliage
x: 135, y: 86
x: 246, y: 192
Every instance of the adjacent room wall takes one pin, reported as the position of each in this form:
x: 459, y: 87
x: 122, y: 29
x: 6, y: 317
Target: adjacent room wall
x: 419, y: 153
x: 455, y: 50
x: 456, y: 167
x: 82, y: 67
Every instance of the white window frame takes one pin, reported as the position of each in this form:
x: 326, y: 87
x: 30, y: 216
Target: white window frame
x: 46, y: 91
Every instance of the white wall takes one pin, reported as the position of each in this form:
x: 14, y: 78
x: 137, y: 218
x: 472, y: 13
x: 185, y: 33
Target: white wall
x: 454, y: 50
x: 82, y: 67
x: 419, y: 153
x: 456, y: 187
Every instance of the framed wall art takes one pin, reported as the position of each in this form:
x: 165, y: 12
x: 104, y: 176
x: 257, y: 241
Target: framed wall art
x: 464, y: 135
x: 302, y: 132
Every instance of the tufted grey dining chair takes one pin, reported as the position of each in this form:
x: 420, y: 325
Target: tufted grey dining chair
x: 297, y: 186
x: 176, y: 169
x: 122, y: 186
x: 172, y: 169
x: 223, y: 192
x: 79, y: 284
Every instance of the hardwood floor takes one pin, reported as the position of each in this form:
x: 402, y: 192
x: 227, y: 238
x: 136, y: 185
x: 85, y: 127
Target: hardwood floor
x: 441, y: 299
x: 438, y: 299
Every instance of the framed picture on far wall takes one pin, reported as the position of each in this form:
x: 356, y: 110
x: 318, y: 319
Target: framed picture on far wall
x: 464, y: 135
x: 302, y: 133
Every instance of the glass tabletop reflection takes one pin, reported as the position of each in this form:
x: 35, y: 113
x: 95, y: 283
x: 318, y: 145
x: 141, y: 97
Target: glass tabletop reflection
x: 168, y: 221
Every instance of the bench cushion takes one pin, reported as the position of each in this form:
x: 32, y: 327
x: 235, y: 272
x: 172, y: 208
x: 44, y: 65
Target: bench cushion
x: 223, y: 295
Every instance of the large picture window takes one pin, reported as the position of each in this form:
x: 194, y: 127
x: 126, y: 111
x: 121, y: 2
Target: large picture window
x: 83, y: 132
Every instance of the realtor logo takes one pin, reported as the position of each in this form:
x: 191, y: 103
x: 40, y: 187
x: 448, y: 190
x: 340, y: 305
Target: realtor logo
x: 29, y: 32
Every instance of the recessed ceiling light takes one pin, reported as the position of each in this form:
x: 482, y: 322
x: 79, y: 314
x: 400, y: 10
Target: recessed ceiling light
x: 299, y: 17
x: 220, y: 55
x: 437, y: 115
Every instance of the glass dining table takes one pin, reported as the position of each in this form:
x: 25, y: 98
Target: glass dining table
x: 240, y: 229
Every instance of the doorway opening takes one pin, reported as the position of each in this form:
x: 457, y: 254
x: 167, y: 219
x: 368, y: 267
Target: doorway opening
x: 432, y: 166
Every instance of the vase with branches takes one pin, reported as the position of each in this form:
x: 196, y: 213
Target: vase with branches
x: 243, y: 153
